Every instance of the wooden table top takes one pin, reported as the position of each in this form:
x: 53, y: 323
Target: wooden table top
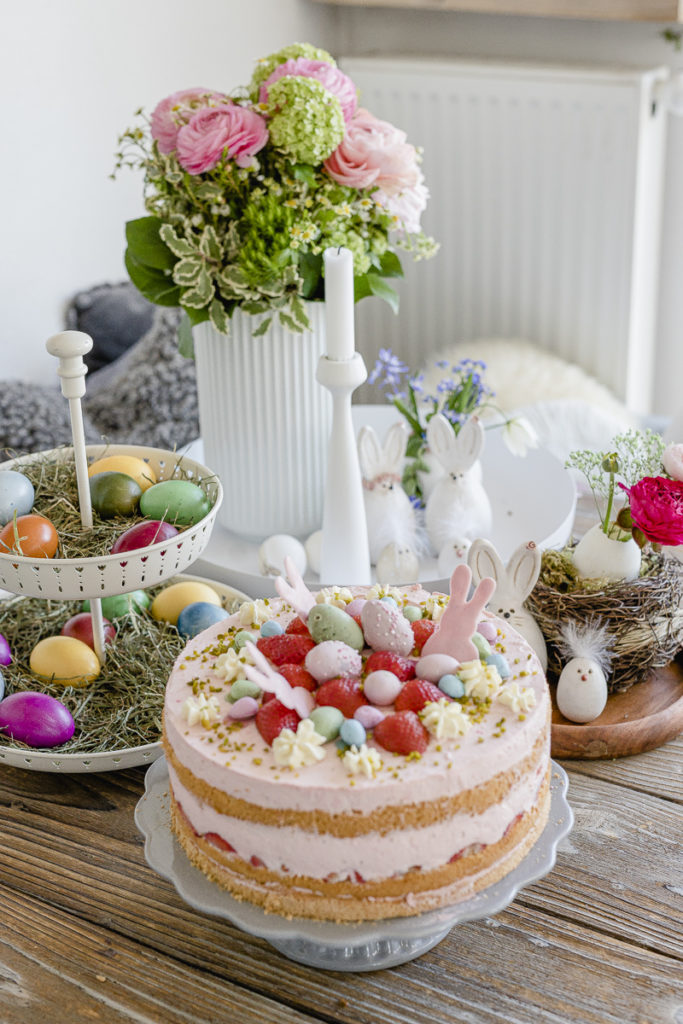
x: 88, y: 932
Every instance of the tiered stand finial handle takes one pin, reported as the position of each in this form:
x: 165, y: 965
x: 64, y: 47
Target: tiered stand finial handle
x: 70, y: 347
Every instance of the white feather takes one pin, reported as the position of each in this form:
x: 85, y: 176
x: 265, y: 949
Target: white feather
x: 590, y: 639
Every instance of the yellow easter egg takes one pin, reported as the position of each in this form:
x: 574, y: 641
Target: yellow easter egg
x: 64, y: 660
x: 169, y: 603
x: 138, y: 469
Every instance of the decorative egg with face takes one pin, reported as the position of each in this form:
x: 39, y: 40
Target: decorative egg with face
x: 581, y: 690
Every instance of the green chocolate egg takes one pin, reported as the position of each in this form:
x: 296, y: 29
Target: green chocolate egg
x: 242, y: 637
x: 327, y: 622
x: 179, y: 502
x: 243, y: 688
x: 412, y: 613
x: 327, y: 721
x: 482, y: 645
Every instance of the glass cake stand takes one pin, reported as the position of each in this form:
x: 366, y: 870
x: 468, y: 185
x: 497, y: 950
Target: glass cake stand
x: 369, y: 946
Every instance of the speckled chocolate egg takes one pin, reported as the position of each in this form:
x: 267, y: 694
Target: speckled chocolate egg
x: 64, y: 660
x: 114, y: 494
x: 142, y: 535
x: 170, y: 602
x: 16, y: 495
x: 327, y: 622
x: 32, y: 536
x: 36, y: 719
x: 175, y: 501
x: 386, y: 629
x: 138, y: 469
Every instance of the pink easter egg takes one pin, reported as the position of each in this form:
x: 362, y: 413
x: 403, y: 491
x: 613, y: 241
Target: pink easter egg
x: 142, y: 535
x: 368, y: 716
x: 432, y: 666
x: 487, y: 630
x: 382, y: 687
x: 355, y: 607
x: 36, y: 718
x: 386, y: 628
x: 333, y: 658
x: 245, y: 707
x: 5, y: 652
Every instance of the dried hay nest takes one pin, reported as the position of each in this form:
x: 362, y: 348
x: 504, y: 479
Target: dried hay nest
x: 644, y: 617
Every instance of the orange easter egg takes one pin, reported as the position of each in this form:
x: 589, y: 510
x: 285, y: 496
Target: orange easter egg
x: 33, y: 536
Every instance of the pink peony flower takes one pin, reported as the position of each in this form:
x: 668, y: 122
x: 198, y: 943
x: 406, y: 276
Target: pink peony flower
x: 656, y: 505
x: 408, y: 205
x: 373, y: 152
x: 672, y: 460
x: 334, y: 80
x: 176, y: 110
x: 213, y: 131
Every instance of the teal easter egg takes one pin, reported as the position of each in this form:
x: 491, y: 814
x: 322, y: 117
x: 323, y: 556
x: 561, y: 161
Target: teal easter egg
x: 352, y: 732
x: 175, y: 501
x: 16, y: 495
x: 452, y: 686
x: 118, y: 605
x: 327, y: 721
x: 327, y: 622
x: 500, y: 663
x: 114, y: 494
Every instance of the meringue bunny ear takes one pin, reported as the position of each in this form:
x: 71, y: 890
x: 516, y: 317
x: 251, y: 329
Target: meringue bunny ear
x: 523, y: 569
x: 441, y: 439
x: 469, y: 443
x: 484, y: 561
x: 394, y: 447
x: 369, y: 453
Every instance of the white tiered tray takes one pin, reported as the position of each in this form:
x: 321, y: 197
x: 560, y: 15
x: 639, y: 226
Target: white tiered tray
x: 533, y: 498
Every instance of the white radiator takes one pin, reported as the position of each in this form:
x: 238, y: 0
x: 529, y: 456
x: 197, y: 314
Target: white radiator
x: 546, y: 190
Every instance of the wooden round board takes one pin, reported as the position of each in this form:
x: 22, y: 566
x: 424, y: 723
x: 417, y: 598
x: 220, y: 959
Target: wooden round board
x: 646, y: 716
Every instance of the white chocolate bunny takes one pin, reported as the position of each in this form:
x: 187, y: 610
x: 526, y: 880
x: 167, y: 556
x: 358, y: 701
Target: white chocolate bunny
x: 458, y: 505
x: 390, y: 516
x: 514, y: 583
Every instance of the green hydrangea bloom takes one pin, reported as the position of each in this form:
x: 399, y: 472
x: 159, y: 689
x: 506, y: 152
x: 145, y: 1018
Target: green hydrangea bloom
x: 307, y: 121
x: 266, y: 65
x: 265, y: 230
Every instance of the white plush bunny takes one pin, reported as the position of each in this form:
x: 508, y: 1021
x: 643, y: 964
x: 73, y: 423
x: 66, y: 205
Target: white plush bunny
x: 514, y: 583
x: 458, y: 505
x: 390, y: 516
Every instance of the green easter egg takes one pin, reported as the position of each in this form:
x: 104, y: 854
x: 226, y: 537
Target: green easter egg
x: 327, y: 721
x: 114, y: 494
x: 117, y: 605
x: 327, y: 622
x: 176, y: 501
x: 482, y: 645
x: 241, y: 638
x: 243, y: 688
x: 412, y: 613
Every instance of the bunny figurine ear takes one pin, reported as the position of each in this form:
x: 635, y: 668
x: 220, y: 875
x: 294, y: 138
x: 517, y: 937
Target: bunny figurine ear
x: 524, y: 568
x: 369, y: 453
x: 470, y: 441
x: 485, y: 562
x: 440, y: 438
x: 394, y: 448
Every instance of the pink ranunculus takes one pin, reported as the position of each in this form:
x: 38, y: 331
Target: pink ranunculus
x: 408, y: 205
x: 373, y: 152
x: 334, y: 80
x: 171, y: 114
x: 672, y: 460
x: 211, y: 132
x: 656, y: 505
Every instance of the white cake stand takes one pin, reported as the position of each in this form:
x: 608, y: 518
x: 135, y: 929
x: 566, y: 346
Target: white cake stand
x: 369, y: 946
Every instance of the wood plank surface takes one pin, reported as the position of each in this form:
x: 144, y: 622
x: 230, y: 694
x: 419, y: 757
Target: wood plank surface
x: 658, y: 772
x: 595, y: 942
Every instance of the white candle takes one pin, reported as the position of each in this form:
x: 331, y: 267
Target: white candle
x: 340, y: 342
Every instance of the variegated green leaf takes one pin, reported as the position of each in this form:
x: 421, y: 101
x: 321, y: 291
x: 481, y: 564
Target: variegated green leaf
x: 178, y: 246
x: 299, y: 313
x: 209, y: 245
x: 288, y: 321
x: 262, y: 328
x: 219, y: 318
x: 233, y: 277
x: 187, y: 271
x: 201, y: 294
x: 209, y: 191
x: 254, y: 306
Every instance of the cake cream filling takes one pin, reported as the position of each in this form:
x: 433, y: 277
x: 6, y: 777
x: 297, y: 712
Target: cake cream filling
x: 373, y: 856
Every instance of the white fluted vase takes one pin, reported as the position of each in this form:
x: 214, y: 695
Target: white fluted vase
x: 265, y: 423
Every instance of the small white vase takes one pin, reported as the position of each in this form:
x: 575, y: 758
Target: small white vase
x: 265, y: 423
x: 598, y: 556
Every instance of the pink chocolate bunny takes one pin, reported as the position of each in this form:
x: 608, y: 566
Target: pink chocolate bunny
x: 459, y: 620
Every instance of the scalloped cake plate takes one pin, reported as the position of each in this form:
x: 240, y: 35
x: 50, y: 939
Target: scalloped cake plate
x: 533, y: 498
x: 109, y: 760
x: 370, y: 946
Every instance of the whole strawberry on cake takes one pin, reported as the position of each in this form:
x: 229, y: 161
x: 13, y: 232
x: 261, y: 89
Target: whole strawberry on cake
x: 358, y: 753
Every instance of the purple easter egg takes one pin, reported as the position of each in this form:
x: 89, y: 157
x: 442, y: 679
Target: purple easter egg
x: 355, y: 607
x: 5, y: 653
x: 245, y: 707
x: 36, y: 718
x: 368, y: 716
x: 487, y: 630
x: 142, y: 535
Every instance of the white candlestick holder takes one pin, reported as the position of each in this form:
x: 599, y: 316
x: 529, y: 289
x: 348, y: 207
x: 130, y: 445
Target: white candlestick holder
x: 345, y: 554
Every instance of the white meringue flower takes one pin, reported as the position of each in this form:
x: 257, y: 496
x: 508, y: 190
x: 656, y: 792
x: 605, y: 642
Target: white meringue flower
x: 338, y: 596
x: 444, y: 719
x: 201, y: 709
x: 363, y: 759
x: 479, y: 679
x: 231, y: 664
x: 254, y: 613
x: 303, y: 747
x: 518, y: 699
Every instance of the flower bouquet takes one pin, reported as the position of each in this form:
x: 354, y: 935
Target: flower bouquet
x: 617, y: 581
x: 245, y: 191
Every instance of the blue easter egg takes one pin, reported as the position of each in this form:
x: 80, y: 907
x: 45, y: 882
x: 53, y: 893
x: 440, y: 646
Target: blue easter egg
x: 389, y: 600
x: 500, y: 663
x: 352, y: 732
x: 271, y: 628
x: 196, y: 617
x: 16, y: 495
x: 452, y: 686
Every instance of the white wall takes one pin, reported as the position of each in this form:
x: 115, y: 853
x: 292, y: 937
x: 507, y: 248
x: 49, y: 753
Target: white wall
x: 440, y: 33
x: 72, y: 72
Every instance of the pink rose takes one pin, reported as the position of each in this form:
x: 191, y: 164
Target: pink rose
x: 334, y: 80
x: 213, y: 131
x: 656, y: 505
x: 176, y: 110
x: 672, y: 460
x: 373, y: 152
